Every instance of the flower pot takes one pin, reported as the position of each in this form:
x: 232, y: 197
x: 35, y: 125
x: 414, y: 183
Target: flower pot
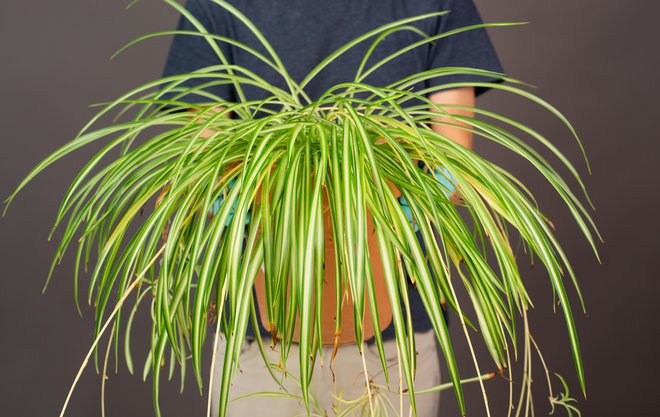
x: 347, y: 334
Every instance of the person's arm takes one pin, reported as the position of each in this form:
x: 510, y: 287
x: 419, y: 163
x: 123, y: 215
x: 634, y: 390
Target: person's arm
x: 464, y: 96
x: 208, y: 132
x: 205, y: 134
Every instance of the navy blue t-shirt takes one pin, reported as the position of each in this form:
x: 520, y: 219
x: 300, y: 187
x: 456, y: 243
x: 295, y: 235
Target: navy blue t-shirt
x: 304, y: 32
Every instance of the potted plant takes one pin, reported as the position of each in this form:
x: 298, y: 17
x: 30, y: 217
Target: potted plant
x: 306, y: 173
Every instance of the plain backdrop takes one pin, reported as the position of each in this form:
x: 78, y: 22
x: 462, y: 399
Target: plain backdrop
x: 597, y: 61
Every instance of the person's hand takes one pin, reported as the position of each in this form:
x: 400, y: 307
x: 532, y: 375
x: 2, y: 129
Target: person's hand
x: 448, y: 187
x: 447, y: 180
x: 218, y: 202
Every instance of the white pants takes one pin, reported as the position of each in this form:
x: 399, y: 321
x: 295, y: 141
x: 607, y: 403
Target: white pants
x: 349, y: 384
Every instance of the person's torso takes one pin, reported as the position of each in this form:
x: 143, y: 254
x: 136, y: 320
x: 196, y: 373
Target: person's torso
x: 304, y: 32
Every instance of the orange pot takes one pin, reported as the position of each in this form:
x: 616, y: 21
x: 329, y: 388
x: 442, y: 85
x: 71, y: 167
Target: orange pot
x: 347, y: 334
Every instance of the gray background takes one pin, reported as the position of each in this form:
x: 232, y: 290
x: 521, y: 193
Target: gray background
x: 595, y: 60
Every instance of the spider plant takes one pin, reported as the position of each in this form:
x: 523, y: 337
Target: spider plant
x: 139, y: 212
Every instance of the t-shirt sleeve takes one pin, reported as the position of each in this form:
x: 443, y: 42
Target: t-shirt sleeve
x: 188, y: 52
x: 472, y: 48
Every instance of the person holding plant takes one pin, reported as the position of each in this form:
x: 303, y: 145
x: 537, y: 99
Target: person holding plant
x: 303, y: 33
